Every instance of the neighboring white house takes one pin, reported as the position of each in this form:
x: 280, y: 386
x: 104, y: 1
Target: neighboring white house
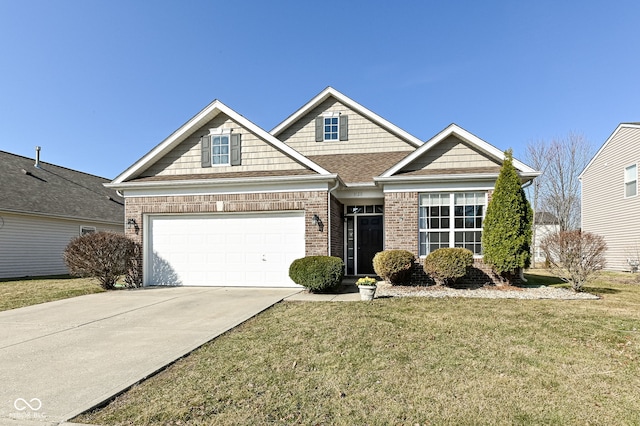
x: 545, y: 224
x: 610, y: 201
x: 42, y: 207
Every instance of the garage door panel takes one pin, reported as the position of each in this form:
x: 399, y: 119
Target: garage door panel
x: 224, y: 250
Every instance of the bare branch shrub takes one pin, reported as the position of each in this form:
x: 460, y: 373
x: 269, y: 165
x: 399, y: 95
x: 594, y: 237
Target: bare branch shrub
x: 105, y: 256
x: 575, y: 256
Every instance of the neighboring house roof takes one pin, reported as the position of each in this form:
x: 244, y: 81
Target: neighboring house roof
x: 615, y: 132
x: 546, y: 218
x: 52, y: 190
x: 209, y: 112
x: 331, y: 92
x: 469, y: 138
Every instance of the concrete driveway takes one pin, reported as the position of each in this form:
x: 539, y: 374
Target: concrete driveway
x: 61, y: 358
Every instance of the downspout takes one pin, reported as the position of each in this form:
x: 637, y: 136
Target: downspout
x: 329, y: 214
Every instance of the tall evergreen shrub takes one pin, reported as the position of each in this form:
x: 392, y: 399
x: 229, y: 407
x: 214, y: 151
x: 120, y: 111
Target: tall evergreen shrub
x: 506, y: 233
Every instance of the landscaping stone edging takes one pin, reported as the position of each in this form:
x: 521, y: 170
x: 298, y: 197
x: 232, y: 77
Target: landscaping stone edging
x: 543, y: 292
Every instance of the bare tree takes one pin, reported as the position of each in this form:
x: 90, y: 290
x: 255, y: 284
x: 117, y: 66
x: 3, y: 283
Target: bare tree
x: 575, y: 256
x: 537, y: 156
x: 557, y: 190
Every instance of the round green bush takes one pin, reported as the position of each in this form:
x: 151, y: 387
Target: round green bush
x: 394, y: 266
x: 317, y: 273
x: 446, y: 265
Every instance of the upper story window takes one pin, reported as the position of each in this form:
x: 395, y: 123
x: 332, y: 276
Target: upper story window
x: 220, y: 149
x: 631, y: 181
x: 332, y: 126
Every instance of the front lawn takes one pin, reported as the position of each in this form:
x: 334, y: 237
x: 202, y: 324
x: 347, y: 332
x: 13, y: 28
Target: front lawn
x: 408, y: 361
x: 17, y: 293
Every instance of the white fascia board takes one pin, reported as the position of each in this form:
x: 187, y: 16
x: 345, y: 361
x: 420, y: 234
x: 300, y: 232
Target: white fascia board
x: 360, y: 109
x: 225, y: 186
x: 199, y: 120
x: 609, y: 139
x: 459, y: 132
x: 440, y: 186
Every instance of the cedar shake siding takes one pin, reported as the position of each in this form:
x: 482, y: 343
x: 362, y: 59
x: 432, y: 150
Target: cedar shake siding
x: 256, y: 154
x: 452, y: 153
x: 363, y: 135
x: 606, y: 210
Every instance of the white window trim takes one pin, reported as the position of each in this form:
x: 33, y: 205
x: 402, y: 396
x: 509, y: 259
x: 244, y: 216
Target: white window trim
x: 219, y: 131
x: 452, y: 229
x: 330, y: 114
x: 87, y: 230
x: 634, y: 180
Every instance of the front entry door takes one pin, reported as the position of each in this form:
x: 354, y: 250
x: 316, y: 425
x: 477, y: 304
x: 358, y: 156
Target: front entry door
x: 369, y: 242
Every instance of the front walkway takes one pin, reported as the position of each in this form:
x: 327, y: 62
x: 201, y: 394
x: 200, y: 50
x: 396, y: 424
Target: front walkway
x: 62, y: 358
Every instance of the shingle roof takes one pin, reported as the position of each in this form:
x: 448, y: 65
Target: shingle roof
x: 57, y: 191
x: 359, y: 168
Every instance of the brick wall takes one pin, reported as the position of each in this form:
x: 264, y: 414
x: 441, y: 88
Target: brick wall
x: 312, y: 202
x: 401, y: 221
x: 337, y: 228
x: 401, y: 233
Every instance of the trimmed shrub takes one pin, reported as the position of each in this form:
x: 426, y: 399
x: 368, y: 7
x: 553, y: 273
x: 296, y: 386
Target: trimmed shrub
x: 394, y: 266
x: 105, y: 256
x: 446, y: 265
x: 317, y: 273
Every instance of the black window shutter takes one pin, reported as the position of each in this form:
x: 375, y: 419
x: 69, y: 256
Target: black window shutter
x: 344, y: 127
x: 205, y: 150
x: 319, y: 129
x: 235, y: 149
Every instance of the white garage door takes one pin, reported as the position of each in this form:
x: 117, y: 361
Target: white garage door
x: 223, y: 249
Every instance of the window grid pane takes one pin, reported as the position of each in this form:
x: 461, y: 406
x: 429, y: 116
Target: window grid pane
x: 457, y: 216
x: 220, y: 151
x: 331, y: 128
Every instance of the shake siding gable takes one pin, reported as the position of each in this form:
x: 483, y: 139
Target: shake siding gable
x: 451, y: 153
x: 605, y: 210
x: 363, y: 135
x: 256, y: 154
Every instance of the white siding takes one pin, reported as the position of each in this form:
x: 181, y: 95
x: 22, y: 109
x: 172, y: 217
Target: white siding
x: 605, y: 210
x: 33, y: 246
x: 256, y: 154
x: 364, y: 135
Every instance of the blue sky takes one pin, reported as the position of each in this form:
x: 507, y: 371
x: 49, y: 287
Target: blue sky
x: 99, y: 83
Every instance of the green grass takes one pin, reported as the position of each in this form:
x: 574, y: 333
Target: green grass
x: 409, y: 361
x: 17, y: 293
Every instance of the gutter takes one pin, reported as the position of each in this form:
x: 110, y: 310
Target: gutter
x: 225, y: 181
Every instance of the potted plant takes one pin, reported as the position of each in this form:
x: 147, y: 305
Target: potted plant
x: 367, y: 287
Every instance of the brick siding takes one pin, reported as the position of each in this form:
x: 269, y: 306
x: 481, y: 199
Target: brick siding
x: 311, y: 202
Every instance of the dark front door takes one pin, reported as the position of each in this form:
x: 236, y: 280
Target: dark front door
x: 369, y: 242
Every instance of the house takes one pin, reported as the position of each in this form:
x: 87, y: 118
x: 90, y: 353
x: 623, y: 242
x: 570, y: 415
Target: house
x: 544, y: 224
x: 610, y: 201
x: 44, y: 206
x: 223, y: 202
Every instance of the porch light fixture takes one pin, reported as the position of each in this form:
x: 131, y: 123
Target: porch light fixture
x: 131, y: 224
x: 315, y: 220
